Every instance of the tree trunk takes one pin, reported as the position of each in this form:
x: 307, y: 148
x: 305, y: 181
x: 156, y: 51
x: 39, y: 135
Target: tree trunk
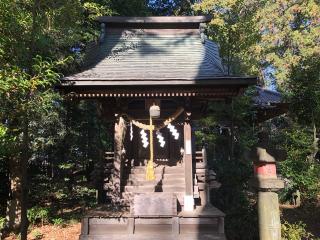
x: 24, y: 181
x: 315, y: 147
x: 315, y: 144
x: 16, y: 215
x: 13, y: 214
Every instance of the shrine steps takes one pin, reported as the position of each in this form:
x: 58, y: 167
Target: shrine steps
x: 151, y: 188
x: 128, y: 196
x: 159, y: 177
x: 165, y: 170
x: 168, y: 180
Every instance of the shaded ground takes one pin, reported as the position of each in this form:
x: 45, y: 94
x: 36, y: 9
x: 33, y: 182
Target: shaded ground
x: 309, y: 215
x: 51, y: 232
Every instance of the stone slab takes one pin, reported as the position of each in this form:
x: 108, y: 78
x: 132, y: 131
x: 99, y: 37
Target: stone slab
x: 154, y: 204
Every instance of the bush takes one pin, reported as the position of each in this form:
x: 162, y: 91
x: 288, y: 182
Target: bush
x: 295, y: 231
x: 2, y: 223
x: 37, y: 235
x: 37, y: 214
x: 58, y: 221
x: 302, y: 174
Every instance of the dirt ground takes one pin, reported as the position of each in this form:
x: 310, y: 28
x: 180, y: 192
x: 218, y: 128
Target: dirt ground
x: 51, y: 232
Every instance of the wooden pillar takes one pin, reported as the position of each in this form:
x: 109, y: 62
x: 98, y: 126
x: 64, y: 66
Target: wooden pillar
x: 188, y: 198
x: 119, y: 135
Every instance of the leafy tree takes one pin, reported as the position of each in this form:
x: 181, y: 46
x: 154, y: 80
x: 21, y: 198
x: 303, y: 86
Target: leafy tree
x: 24, y: 99
x: 30, y: 109
x: 130, y: 8
x: 289, y: 36
x: 170, y: 7
x: 234, y: 28
x: 229, y: 133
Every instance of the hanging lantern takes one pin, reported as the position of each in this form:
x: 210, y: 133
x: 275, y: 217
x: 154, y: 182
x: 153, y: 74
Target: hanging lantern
x: 154, y: 111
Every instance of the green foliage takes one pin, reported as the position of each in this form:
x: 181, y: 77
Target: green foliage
x: 295, y: 231
x: 130, y: 8
x: 25, y: 97
x: 37, y: 235
x: 304, y: 86
x: 229, y: 134
x: 289, y: 32
x: 38, y: 214
x: 2, y: 223
x: 57, y: 221
x: 170, y: 7
x: 302, y: 173
x: 234, y: 28
x: 267, y: 38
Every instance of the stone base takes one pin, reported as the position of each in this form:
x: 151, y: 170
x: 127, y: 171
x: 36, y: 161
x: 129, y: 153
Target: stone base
x: 202, y: 223
x: 156, y: 237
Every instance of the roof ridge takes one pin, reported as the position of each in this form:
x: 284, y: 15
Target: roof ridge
x: 155, y: 19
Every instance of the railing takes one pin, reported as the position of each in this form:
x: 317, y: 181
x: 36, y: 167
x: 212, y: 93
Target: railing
x: 204, y: 178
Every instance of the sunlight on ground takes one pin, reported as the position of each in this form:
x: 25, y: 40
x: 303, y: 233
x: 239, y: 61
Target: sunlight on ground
x: 51, y: 232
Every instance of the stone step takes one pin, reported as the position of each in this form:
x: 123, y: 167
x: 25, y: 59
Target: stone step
x: 163, y: 188
x: 164, y: 170
x: 143, y: 182
x: 142, y: 176
x: 128, y: 197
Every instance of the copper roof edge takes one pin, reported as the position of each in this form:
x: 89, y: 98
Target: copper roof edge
x: 158, y: 19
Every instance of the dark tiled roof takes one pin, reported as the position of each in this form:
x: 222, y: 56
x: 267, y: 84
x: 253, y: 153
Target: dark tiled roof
x: 265, y: 97
x: 143, y: 57
x: 154, y: 51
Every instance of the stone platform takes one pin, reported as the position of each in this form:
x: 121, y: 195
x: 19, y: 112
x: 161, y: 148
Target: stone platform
x: 204, y: 223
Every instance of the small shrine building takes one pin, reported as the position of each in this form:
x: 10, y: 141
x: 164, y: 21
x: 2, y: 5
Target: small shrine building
x: 154, y: 76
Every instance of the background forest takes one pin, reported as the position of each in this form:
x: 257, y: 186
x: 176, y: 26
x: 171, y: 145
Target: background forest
x: 52, y: 150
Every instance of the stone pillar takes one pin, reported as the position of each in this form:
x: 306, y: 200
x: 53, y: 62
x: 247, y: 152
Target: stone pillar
x: 188, y: 198
x: 267, y: 184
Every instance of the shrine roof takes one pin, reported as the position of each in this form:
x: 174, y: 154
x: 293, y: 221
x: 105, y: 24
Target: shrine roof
x: 157, y: 19
x: 153, y: 51
x: 269, y: 104
x: 266, y: 97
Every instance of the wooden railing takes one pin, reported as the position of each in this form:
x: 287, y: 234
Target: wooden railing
x: 204, y: 178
